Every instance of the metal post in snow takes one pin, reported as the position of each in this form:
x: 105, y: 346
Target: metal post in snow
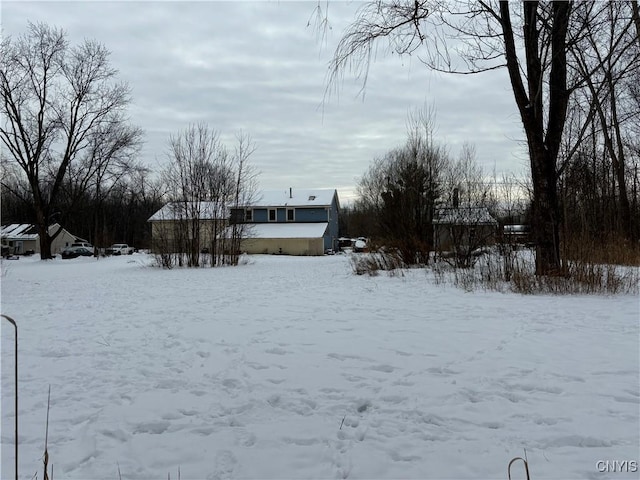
x: 15, y: 326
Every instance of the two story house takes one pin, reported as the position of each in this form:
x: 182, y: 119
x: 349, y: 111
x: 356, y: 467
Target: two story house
x: 290, y: 222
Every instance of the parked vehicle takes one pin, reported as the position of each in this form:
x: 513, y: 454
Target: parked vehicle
x: 119, y: 249
x: 82, y: 244
x: 75, y: 252
x: 360, y: 245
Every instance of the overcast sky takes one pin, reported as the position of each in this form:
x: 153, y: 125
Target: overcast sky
x: 261, y: 68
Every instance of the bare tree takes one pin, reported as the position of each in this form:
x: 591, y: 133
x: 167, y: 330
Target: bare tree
x: 197, y: 178
x: 465, y: 224
x: 400, y: 190
x: 609, y: 58
x: 636, y: 17
x: 242, y: 194
x: 63, y: 118
x: 531, y: 39
x: 205, y: 182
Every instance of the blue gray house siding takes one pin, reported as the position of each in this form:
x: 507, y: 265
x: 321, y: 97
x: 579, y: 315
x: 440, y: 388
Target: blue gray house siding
x: 302, y: 214
x: 331, y: 236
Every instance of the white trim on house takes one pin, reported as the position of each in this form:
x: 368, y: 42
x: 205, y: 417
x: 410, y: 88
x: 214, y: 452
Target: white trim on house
x: 286, y: 230
x: 293, y: 214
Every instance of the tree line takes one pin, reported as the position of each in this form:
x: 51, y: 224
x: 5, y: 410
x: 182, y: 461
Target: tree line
x: 402, y: 191
x: 70, y: 154
x: 411, y: 189
x: 573, y: 68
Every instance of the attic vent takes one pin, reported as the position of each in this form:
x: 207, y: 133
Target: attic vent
x: 312, y: 197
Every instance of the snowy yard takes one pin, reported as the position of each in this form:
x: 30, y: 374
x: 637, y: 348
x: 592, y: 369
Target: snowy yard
x: 290, y: 368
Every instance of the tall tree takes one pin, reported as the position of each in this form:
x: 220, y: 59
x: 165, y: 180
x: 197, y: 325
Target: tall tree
x: 531, y: 39
x: 401, y: 188
x: 607, y: 58
x: 204, y: 181
x: 64, y: 121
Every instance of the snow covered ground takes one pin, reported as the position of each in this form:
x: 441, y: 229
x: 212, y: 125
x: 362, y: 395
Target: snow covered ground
x: 288, y: 368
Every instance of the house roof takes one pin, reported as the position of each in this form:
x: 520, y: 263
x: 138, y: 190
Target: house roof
x: 321, y: 197
x: 185, y: 210
x: 26, y: 231
x: 464, y: 215
x: 286, y: 230
x: 19, y: 231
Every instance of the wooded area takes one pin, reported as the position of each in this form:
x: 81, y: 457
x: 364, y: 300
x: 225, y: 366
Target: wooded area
x: 574, y: 69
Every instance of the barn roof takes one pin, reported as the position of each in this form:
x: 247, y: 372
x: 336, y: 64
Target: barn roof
x: 464, y: 215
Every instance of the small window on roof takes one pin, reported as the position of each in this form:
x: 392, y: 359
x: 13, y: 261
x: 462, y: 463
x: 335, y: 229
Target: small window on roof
x: 312, y: 197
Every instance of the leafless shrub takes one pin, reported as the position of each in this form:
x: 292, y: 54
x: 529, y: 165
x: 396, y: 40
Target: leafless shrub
x: 515, y: 271
x: 580, y: 278
x: 374, y: 262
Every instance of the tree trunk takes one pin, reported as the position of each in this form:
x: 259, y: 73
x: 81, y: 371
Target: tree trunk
x: 545, y: 213
x: 44, y: 239
x: 543, y: 143
x: 636, y: 17
x: 618, y: 162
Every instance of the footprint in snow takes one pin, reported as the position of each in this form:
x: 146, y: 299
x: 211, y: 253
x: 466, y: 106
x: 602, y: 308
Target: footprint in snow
x: 225, y: 464
x: 276, y: 351
x: 383, y: 368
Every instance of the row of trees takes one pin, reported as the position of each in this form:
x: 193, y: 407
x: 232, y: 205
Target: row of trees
x: 64, y: 131
x: 406, y: 192
x: 120, y: 216
x: 402, y: 192
x: 561, y: 57
x: 205, y: 183
x: 69, y: 153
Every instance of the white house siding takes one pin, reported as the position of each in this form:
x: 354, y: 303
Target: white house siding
x: 285, y: 238
x: 62, y: 241
x: 163, y: 234
x: 283, y: 246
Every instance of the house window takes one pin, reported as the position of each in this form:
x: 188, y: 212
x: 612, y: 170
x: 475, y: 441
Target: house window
x: 290, y: 215
x: 248, y: 215
x: 272, y: 214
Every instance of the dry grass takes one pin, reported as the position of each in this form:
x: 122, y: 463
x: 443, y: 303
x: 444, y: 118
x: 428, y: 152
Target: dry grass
x: 373, y: 263
x: 514, y: 270
x: 607, y: 250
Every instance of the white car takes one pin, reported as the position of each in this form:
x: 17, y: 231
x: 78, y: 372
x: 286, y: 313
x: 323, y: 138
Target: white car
x: 119, y: 249
x: 82, y: 244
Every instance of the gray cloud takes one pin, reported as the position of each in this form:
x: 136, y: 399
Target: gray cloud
x: 259, y: 67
